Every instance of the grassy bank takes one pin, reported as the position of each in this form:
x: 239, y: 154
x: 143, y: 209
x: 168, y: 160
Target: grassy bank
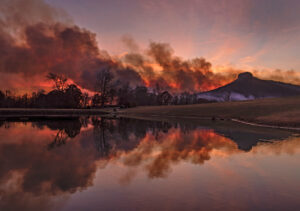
x: 276, y: 111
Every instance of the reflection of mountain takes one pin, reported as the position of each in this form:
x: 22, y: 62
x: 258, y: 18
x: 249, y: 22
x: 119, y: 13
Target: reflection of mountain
x: 125, y: 134
x: 246, y: 137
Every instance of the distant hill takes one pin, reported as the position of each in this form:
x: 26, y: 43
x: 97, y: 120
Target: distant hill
x: 248, y: 87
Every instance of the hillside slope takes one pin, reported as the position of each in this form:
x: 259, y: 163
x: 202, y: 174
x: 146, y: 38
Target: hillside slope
x: 248, y: 87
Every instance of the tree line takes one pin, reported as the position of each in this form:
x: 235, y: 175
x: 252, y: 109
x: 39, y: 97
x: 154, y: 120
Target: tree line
x: 108, y: 92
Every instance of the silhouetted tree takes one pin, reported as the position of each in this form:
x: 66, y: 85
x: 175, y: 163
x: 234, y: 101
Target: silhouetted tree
x: 124, y: 96
x: 103, y: 87
x: 2, y: 98
x: 60, y: 81
x: 175, y: 100
x: 141, y: 95
x: 55, y: 99
x: 184, y: 98
x: 164, y: 98
x: 73, y: 96
x: 85, y: 99
x: 157, y: 89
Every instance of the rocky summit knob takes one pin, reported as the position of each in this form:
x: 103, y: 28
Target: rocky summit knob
x: 245, y: 75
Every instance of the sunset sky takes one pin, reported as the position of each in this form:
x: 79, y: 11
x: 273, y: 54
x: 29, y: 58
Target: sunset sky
x: 245, y: 34
x: 194, y: 45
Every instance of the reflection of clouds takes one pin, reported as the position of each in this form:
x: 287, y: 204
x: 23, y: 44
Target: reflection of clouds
x: 289, y: 146
x: 29, y: 170
x: 31, y: 175
x: 40, y: 174
x: 157, y: 153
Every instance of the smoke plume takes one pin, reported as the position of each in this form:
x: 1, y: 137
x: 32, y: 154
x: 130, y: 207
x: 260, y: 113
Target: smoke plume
x: 161, y: 67
x: 36, y: 39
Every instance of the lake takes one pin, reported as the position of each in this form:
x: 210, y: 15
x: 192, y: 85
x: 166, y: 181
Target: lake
x: 94, y: 163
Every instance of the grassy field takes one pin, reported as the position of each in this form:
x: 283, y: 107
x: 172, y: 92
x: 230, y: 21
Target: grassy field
x: 275, y: 111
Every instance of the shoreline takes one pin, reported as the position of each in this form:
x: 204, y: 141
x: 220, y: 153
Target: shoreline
x: 264, y: 125
x: 232, y: 111
x: 212, y: 119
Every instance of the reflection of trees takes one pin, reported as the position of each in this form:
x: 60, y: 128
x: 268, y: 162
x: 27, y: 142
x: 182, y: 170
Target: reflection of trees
x: 123, y: 134
x: 69, y: 128
x: 139, y: 128
x: 60, y: 139
x: 152, y: 146
x: 31, y: 175
x: 101, y: 128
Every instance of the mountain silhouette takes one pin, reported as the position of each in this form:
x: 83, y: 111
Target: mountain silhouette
x: 248, y: 87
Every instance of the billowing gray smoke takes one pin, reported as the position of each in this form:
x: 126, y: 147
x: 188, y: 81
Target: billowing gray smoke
x: 34, y: 43
x: 36, y: 39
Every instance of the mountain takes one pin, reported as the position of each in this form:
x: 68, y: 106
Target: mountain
x: 248, y: 87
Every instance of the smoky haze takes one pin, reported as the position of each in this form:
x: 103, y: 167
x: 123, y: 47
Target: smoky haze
x: 33, y: 43
x: 36, y: 39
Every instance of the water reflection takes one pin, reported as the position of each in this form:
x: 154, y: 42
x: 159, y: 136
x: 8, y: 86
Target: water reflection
x: 42, y: 162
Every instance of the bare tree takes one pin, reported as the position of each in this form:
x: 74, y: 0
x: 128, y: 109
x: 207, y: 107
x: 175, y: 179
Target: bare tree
x: 60, y: 81
x: 104, y: 86
x: 85, y: 99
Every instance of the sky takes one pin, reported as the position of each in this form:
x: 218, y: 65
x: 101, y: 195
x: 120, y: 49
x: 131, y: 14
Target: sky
x: 243, y: 34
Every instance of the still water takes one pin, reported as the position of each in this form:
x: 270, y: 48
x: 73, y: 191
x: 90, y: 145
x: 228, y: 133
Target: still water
x: 126, y: 164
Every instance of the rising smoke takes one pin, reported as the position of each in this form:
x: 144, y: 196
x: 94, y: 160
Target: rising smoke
x: 36, y: 39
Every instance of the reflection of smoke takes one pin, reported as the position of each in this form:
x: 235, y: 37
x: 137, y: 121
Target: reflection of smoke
x: 30, y: 174
x: 158, y: 153
x: 29, y: 169
x: 289, y: 146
